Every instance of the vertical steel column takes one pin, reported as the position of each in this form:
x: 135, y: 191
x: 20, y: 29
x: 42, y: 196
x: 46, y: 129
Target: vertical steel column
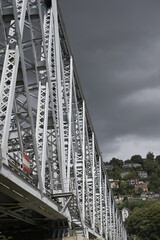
x: 83, y: 162
x: 70, y: 123
x: 93, y: 175
x: 54, y: 148
x: 59, y: 91
x: 100, y: 192
x: 110, y: 216
x: 41, y: 127
x: 114, y: 221
x: 44, y: 151
x: 8, y: 82
x: 106, y: 207
x: 119, y: 227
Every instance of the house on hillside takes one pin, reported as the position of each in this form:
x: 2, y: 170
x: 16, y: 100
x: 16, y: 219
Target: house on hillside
x: 109, y: 167
x: 114, y: 183
x: 131, y: 165
x: 143, y: 197
x: 123, y: 174
x: 119, y: 199
x: 142, y: 174
x: 150, y: 196
x: 134, y: 181
x: 135, y: 165
x: 141, y: 186
x: 125, y: 213
x: 157, y: 196
x: 127, y: 165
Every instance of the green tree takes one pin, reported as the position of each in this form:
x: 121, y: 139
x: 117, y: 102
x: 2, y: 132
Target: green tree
x: 150, y: 156
x: 132, y: 174
x: 127, y: 161
x: 131, y: 205
x: 158, y: 158
x: 148, y: 166
x: 114, y: 174
x: 137, y: 159
x: 116, y: 162
x: 144, y: 222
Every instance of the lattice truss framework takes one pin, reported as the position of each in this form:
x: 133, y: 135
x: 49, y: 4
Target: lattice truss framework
x: 43, y: 114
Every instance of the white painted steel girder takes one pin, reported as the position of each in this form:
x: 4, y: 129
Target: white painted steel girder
x: 43, y: 114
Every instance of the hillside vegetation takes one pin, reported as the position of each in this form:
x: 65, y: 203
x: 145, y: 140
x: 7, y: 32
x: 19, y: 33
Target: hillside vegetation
x: 136, y: 186
x: 128, y: 170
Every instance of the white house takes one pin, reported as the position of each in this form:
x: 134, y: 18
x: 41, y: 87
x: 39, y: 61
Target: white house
x: 114, y: 183
x: 142, y: 174
x: 125, y: 214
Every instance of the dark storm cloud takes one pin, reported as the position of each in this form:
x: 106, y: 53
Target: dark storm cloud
x: 116, y: 46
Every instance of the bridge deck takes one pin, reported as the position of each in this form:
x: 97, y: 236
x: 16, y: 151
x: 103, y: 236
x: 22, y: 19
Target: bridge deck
x: 23, y: 207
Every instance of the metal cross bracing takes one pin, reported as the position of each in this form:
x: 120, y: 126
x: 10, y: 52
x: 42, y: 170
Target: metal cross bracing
x: 45, y: 125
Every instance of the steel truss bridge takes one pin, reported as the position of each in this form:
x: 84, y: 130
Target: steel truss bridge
x: 52, y: 179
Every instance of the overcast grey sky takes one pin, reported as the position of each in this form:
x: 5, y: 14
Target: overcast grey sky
x: 116, y: 47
